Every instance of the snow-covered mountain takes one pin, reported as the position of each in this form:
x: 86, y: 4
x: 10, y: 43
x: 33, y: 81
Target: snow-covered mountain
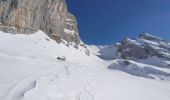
x: 107, y: 52
x: 31, y: 70
x: 144, y: 46
x: 52, y: 63
x: 145, y: 56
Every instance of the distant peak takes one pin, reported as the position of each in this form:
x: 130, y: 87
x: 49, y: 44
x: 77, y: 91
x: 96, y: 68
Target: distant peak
x: 149, y: 37
x: 145, y: 46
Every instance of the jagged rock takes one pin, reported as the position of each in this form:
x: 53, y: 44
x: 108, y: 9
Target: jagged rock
x: 7, y: 29
x: 71, y: 33
x: 130, y: 49
x: 144, y: 46
x: 50, y: 16
x: 87, y: 52
x: 150, y: 37
x: 83, y: 45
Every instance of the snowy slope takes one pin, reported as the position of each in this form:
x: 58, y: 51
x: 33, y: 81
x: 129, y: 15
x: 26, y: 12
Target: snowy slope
x: 140, y: 69
x: 107, y: 52
x: 29, y: 70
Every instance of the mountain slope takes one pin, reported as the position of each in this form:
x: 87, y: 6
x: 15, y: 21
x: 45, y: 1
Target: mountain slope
x: 107, y: 52
x: 30, y: 71
x: 35, y: 67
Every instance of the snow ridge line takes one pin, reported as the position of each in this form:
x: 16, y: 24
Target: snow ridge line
x: 32, y: 86
x: 18, y: 92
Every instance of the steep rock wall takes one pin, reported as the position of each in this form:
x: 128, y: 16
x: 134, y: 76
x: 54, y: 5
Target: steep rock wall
x: 50, y: 16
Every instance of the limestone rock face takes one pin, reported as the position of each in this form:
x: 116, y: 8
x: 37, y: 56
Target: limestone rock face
x: 50, y: 16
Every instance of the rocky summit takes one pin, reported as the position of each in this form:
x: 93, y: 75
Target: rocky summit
x: 144, y: 46
x: 28, y: 16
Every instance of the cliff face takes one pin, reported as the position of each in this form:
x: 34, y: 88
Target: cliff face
x: 50, y: 16
x: 144, y: 46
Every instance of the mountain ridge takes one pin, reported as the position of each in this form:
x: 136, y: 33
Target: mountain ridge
x: 144, y: 43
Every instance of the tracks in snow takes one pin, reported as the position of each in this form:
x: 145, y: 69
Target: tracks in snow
x: 64, y: 82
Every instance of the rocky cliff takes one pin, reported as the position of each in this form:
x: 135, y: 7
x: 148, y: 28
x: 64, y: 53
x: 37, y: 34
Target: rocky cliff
x: 50, y: 16
x: 144, y: 46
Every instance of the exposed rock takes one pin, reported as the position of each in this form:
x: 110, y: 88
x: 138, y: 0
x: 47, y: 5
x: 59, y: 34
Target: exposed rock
x: 144, y: 46
x: 130, y: 50
x: 83, y: 45
x: 126, y: 62
x: 87, y: 52
x: 50, y: 16
x: 61, y: 58
x: 7, y: 29
x: 71, y: 33
x: 150, y: 37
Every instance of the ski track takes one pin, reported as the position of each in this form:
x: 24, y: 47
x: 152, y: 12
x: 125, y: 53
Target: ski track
x: 37, y: 75
x: 19, y: 91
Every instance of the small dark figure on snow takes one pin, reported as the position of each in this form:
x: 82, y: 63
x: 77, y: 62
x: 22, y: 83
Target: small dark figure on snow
x: 61, y: 58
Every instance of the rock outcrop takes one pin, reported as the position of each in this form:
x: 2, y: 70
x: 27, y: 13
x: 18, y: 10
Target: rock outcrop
x: 144, y: 46
x: 50, y: 16
x: 130, y: 49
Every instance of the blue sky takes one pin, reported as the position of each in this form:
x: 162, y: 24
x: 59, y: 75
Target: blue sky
x: 108, y: 21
